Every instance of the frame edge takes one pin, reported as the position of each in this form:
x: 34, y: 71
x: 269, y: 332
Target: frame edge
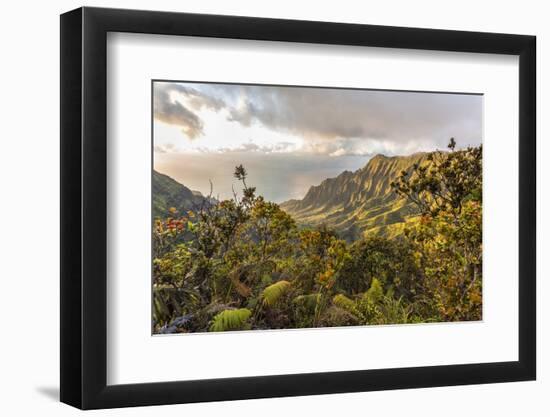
x: 528, y: 207
x: 83, y: 211
x: 71, y: 197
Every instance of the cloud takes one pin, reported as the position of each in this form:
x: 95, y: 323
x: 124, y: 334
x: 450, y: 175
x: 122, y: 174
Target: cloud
x: 330, y: 120
x: 278, y: 147
x: 330, y: 114
x: 196, y: 99
x: 164, y: 148
x: 290, y: 138
x: 170, y: 110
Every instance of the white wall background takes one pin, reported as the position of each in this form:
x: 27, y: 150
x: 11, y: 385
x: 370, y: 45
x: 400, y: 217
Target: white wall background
x: 29, y: 219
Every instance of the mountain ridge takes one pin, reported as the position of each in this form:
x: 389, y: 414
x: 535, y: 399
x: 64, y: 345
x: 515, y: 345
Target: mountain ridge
x: 353, y: 203
x: 168, y: 193
x: 356, y: 202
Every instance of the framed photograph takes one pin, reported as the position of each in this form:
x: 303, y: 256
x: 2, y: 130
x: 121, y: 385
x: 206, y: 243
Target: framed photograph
x: 257, y: 208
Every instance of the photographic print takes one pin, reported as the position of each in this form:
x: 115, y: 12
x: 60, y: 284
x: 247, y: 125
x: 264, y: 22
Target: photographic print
x: 288, y: 207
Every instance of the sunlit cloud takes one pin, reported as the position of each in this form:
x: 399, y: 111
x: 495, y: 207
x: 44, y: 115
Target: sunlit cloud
x: 297, y: 134
x: 315, y: 115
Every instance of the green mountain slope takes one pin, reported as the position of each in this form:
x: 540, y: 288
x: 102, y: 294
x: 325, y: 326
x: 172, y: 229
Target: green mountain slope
x: 356, y: 202
x: 168, y: 193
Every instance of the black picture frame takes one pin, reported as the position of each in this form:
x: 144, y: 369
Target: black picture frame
x: 84, y: 207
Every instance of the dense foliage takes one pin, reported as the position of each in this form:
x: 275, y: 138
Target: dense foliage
x: 244, y: 263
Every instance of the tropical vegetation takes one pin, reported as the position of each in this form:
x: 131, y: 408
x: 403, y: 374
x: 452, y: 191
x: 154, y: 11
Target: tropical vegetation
x: 246, y: 263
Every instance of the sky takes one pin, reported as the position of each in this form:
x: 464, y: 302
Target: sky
x: 290, y: 138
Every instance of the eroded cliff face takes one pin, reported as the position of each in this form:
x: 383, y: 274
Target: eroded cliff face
x: 355, y: 202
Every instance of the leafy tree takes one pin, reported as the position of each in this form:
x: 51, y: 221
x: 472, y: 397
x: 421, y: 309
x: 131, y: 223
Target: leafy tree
x: 448, y: 235
x: 242, y: 263
x: 445, y: 182
x: 390, y: 261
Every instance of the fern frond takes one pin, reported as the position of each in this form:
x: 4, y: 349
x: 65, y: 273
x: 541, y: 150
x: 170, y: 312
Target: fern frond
x: 340, y: 300
x: 309, y: 301
x: 230, y: 320
x: 375, y: 292
x: 274, y: 292
x: 344, y: 302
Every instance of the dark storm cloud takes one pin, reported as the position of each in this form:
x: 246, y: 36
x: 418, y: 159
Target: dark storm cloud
x: 172, y: 111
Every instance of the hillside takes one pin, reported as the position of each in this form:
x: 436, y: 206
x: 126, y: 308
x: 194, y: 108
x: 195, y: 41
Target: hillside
x: 351, y: 203
x: 360, y: 201
x: 168, y: 193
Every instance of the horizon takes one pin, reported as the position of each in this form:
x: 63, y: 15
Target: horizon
x: 292, y: 138
x: 205, y: 194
